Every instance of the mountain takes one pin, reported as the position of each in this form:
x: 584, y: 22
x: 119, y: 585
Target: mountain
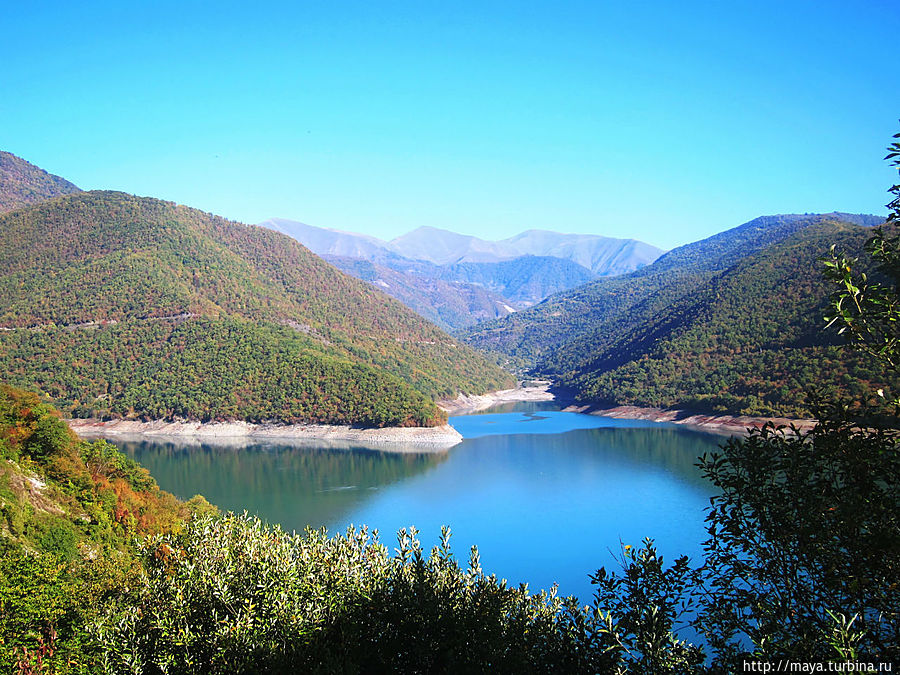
x: 531, y: 334
x: 522, y: 281
x: 461, y: 295
x: 323, y: 241
x: 601, y: 255
x: 443, y: 247
x: 458, y: 280
x: 22, y: 183
x: 448, y: 303
x: 128, y: 306
x: 731, y: 323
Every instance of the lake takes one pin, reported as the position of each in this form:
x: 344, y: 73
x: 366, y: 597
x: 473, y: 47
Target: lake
x: 546, y: 495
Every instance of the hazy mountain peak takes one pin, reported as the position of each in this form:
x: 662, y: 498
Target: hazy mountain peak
x: 324, y: 241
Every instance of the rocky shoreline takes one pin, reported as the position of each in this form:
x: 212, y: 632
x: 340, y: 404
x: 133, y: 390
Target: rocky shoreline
x: 399, y: 439
x: 391, y: 439
x: 465, y: 405
x: 726, y: 425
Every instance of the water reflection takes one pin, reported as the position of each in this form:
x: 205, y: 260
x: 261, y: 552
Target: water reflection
x: 290, y: 485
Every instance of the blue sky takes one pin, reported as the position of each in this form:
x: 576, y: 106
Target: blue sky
x: 662, y: 121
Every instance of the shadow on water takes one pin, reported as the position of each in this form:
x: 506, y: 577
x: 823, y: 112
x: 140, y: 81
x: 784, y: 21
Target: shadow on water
x: 292, y: 486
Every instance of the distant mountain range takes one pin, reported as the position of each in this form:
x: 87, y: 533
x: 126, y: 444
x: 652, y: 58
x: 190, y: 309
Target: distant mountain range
x: 131, y: 306
x: 516, y: 272
x: 732, y: 323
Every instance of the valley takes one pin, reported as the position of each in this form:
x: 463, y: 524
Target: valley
x: 449, y: 338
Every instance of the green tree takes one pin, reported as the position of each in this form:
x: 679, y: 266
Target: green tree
x: 804, y: 552
x: 803, y: 556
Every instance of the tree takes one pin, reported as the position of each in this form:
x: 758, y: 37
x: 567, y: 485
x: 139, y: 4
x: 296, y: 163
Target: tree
x: 804, y: 551
x: 803, y: 556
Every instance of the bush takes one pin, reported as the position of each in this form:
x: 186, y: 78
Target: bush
x: 232, y: 595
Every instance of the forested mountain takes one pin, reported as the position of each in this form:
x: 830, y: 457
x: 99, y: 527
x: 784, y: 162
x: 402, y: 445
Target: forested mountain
x: 120, y: 305
x: 22, y: 183
x: 732, y: 323
x: 531, y: 334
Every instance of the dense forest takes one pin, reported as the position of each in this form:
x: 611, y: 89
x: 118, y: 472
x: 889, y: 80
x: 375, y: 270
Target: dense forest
x: 120, y: 305
x: 729, y: 324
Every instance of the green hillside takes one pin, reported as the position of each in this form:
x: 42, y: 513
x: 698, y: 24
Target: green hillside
x: 120, y: 305
x: 730, y: 324
x: 530, y: 335
x: 22, y: 183
x: 750, y: 341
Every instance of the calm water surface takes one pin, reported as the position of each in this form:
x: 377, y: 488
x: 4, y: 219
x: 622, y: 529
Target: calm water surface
x: 547, y: 496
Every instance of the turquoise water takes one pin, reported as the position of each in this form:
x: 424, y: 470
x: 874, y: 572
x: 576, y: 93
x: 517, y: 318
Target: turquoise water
x: 547, y: 496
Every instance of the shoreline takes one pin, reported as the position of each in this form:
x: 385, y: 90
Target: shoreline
x: 240, y: 433
x: 404, y: 439
x: 723, y: 425
x: 394, y: 439
x: 466, y: 405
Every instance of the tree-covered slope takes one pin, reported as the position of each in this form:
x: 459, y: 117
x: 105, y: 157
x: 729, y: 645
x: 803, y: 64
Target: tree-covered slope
x: 729, y: 324
x: 531, y: 335
x: 750, y: 340
x: 135, y: 306
x: 22, y: 183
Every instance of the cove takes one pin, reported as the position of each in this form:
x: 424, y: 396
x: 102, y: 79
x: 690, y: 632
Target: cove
x: 547, y: 496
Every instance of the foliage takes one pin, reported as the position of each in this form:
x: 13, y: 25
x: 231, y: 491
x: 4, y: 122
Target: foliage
x: 231, y: 595
x: 803, y: 554
x: 642, y: 609
x: 22, y: 183
x: 214, y: 369
x: 750, y: 341
x: 868, y: 310
x: 805, y: 528
x: 70, y: 510
x: 99, y: 284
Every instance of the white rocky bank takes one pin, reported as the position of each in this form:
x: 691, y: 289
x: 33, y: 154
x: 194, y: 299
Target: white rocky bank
x: 394, y: 439
x: 389, y: 438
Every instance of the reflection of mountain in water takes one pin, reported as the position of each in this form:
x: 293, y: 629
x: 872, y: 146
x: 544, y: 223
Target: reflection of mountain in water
x: 292, y: 486
x: 580, y: 453
x: 675, y: 451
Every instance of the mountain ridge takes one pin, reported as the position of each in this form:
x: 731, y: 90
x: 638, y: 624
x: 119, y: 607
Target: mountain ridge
x: 148, y: 309
x: 472, y: 266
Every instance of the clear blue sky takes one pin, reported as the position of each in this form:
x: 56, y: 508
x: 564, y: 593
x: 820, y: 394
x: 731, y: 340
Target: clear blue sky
x: 663, y: 121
